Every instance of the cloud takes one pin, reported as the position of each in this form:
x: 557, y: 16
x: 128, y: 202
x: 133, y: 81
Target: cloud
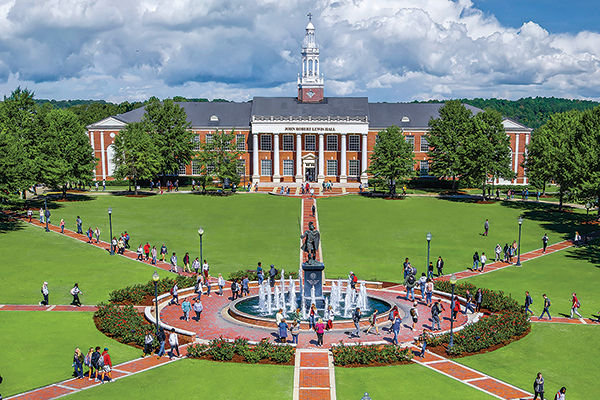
x: 389, y: 50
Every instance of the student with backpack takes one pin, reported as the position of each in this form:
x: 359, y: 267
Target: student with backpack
x: 106, y: 365
x: 538, y: 387
x: 396, y: 326
x: 409, y: 284
x: 560, y: 395
x: 373, y: 323
x: 87, y: 361
x: 575, y: 306
x: 234, y: 289
x: 528, y: 303
x: 148, y: 340
x: 436, y: 311
x: 353, y: 280
x: 356, y: 319
x: 75, y: 292
x: 414, y: 314
x: 162, y: 338
x: 546, y: 307
x: 175, y: 293
x: 174, y: 343
x: 94, y: 364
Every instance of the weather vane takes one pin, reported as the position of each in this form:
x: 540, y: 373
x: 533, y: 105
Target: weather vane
x: 309, y: 15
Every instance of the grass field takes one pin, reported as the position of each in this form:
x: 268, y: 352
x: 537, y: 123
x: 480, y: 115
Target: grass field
x: 200, y: 379
x: 38, y: 347
x: 564, y: 354
x: 373, y: 236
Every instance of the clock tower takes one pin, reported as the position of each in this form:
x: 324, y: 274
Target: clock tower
x: 310, y: 82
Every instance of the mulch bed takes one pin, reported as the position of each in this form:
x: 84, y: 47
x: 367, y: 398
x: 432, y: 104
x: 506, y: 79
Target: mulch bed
x: 240, y: 360
x: 138, y: 195
x: 484, y: 202
x: 355, y: 365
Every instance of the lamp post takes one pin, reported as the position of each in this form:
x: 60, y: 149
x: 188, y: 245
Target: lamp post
x: 366, y: 397
x: 518, y: 264
x: 112, y: 250
x: 200, y: 233
x: 46, y: 210
x: 429, y: 236
x: 155, y: 278
x: 453, y: 281
x: 588, y: 205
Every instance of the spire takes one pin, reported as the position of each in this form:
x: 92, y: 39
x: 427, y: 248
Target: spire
x: 310, y: 82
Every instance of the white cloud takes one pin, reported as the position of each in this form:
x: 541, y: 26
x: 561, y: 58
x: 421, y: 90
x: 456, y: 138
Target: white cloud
x: 389, y: 50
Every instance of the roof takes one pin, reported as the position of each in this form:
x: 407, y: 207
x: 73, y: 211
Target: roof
x: 329, y: 107
x: 418, y: 114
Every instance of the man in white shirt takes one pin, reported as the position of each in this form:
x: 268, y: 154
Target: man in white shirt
x: 482, y: 259
x: 174, y: 343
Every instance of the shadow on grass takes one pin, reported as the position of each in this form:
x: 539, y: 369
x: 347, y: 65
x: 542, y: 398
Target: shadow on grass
x: 589, y: 252
x: 128, y: 193
x: 10, y: 224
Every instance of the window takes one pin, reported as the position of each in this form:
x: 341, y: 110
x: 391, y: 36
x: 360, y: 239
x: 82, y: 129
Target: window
x: 208, y: 138
x: 353, y: 167
x: 265, y: 168
x: 354, y: 142
x: 288, y: 167
x: 310, y: 142
x: 241, y: 167
x: 331, y: 167
x: 424, y: 144
x: 214, y: 118
x: 210, y: 169
x: 424, y: 168
x: 181, y: 169
x: 288, y: 142
x: 332, y: 143
x: 265, y: 142
x: 240, y: 140
x: 410, y: 140
x: 196, y: 141
x: 196, y: 167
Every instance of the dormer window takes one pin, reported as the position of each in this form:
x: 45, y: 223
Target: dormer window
x: 405, y: 119
x: 214, y: 118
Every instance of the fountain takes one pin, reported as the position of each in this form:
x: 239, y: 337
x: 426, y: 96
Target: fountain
x: 292, y: 296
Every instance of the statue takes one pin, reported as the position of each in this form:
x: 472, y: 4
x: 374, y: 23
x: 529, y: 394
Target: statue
x: 311, y: 241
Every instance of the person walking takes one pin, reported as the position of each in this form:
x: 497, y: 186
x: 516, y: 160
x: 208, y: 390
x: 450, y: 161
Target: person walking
x: 396, y: 326
x: 78, y: 359
x: 546, y: 307
x: 329, y: 317
x: 196, y: 265
x: 174, y: 263
x: 29, y: 214
x: 430, y: 270
x: 436, y: 311
x: 356, y: 319
x: 90, y: 234
x: 186, y: 263
x: 205, y: 269
x: 320, y: 330
x: 313, y: 209
x: 41, y: 215
x: 234, y: 286
x: 186, y: 307
x: 422, y: 282
x: 148, y: 339
x: 538, y: 387
x: 455, y: 307
x: 414, y: 314
x: 174, y: 343
x: 163, y: 252
x: 48, y: 214
x: 175, y: 294
x: 87, y: 361
x: 146, y: 251
x: 221, y: 284
x: 260, y: 274
x: 575, y: 304
x: 198, y: 308
x: 560, y: 395
x: 528, y: 303
x: 62, y: 226
x: 97, y: 234
x: 428, y: 291
x: 498, y: 251
x: 162, y: 338
x: 312, y: 316
x: 483, y: 260
x: 372, y: 323
x: 409, y: 284
x: 153, y: 254
x: 207, y: 285
x: 283, y: 330
x: 295, y: 331
x: 75, y: 292
x: 272, y: 274
x: 475, y: 261
x: 45, y: 293
x: 107, y: 368
x: 79, y: 224
x: 506, y: 253
x: 486, y: 226
x: 140, y: 253
x: 478, y: 299
x: 94, y: 361
x: 544, y: 242
x: 440, y: 266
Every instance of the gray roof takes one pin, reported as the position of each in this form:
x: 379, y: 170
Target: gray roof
x: 230, y: 115
x: 387, y: 114
x: 329, y: 107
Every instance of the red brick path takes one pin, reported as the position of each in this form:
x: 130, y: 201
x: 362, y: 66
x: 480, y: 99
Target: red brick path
x: 314, y: 375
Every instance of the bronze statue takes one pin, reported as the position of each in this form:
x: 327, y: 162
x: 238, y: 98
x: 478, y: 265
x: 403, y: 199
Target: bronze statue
x: 311, y: 241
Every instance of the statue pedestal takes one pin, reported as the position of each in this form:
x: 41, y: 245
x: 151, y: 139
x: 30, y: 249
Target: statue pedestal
x: 313, y: 277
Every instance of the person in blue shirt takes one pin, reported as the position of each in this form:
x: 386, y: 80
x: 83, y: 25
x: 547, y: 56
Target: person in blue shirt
x: 260, y: 274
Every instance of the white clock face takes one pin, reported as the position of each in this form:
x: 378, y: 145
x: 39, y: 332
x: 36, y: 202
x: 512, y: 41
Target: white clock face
x: 310, y: 93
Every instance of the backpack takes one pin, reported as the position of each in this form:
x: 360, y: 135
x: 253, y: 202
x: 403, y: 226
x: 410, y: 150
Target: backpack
x: 171, y: 291
x: 371, y: 320
x: 354, y: 279
x: 411, y: 279
x: 412, y: 312
x: 86, y: 361
x: 414, y: 271
x: 100, y: 362
x: 73, y: 292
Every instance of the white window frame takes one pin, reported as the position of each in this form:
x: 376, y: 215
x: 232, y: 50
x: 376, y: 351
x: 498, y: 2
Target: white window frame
x: 424, y: 144
x: 410, y: 139
x: 353, y: 143
x: 266, y: 142
x: 241, y: 167
x: 332, y: 143
x: 266, y: 167
x: 354, y: 165
x: 196, y: 167
x: 424, y: 167
x: 196, y: 142
x: 208, y: 138
x: 313, y: 142
x: 240, y: 141
x: 332, y: 168
x: 288, y: 142
x: 210, y: 168
x: 181, y: 169
x: 288, y: 167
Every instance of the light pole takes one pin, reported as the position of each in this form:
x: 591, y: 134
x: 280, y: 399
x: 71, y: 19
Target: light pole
x: 452, y: 300
x: 155, y: 278
x: 518, y: 264
x: 429, y: 236
x: 112, y: 250
x: 366, y: 397
x: 588, y: 205
x: 200, y: 233
x: 46, y: 210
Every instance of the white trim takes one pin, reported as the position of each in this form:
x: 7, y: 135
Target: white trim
x: 102, y: 156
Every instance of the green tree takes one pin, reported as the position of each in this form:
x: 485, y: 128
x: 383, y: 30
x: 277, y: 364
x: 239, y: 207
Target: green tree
x: 169, y: 129
x: 587, y: 146
x: 392, y: 157
x: 446, y: 140
x: 136, y: 156
x: 218, y: 158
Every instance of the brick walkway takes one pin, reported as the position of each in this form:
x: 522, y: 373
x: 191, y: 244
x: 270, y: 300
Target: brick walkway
x: 314, y: 375
x: 68, y: 308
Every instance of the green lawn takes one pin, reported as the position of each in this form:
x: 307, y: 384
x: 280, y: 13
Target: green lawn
x: 373, y: 236
x: 558, y: 275
x: 200, y: 379
x: 404, y: 381
x: 239, y: 230
x: 38, y: 347
x: 564, y: 354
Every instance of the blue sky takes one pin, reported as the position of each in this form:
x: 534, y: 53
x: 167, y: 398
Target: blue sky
x: 388, y: 50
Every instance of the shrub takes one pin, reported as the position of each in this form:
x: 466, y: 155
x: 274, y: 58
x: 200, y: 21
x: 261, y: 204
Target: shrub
x: 197, y: 350
x: 222, y: 350
x: 123, y: 323
x: 282, y: 354
x: 367, y: 354
x: 252, y: 275
x: 492, y: 300
x: 252, y: 357
x: 135, y: 294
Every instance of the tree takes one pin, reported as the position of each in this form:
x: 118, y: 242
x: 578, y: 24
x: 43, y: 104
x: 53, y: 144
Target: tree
x: 136, y: 156
x: 167, y: 125
x: 218, y: 158
x: 587, y: 145
x: 537, y: 159
x: 392, y: 156
x: 446, y: 140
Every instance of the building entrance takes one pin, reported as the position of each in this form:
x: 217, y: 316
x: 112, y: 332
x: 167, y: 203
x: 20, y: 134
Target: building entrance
x: 310, y: 175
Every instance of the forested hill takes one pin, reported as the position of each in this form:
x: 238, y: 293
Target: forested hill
x: 532, y: 112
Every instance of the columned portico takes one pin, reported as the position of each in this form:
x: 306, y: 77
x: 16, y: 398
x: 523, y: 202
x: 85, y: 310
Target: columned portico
x: 276, y: 174
x: 343, y: 168
x: 321, y: 176
x: 299, y: 173
x: 255, y: 170
x: 363, y: 175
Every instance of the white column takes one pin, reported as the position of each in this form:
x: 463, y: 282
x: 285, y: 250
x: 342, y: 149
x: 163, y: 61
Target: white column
x: 321, y: 176
x: 343, y: 168
x: 299, y: 158
x: 255, y: 170
x: 516, y: 160
x: 102, y: 155
x: 526, y: 144
x: 93, y: 149
x: 276, y: 175
x: 363, y: 174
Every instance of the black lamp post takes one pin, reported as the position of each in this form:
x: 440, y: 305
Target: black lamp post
x: 429, y: 236
x: 46, y: 210
x: 112, y: 249
x: 588, y: 205
x: 155, y: 278
x: 518, y: 264
x: 453, y: 281
x: 200, y: 233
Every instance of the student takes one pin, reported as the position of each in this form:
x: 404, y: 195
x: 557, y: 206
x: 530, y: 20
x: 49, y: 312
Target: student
x: 414, y: 314
x: 575, y: 306
x: 546, y: 307
x: 560, y: 395
x: 436, y: 311
x: 422, y: 282
x: 440, y: 266
x: 186, y: 307
x: 174, y: 343
x: 312, y: 316
x: 245, y: 283
x: 208, y: 285
x: 162, y: 338
x: 140, y: 253
x: 196, y: 265
x: 295, y: 331
x: 146, y: 251
x: 356, y: 319
x: 75, y: 292
x: 45, y: 293
x: 283, y: 328
x: 234, y: 289
x: 94, y: 364
x: 353, y: 280
x: 478, y: 299
x: 29, y: 214
x: 78, y: 360
x: 373, y: 323
x: 186, y: 263
x: 148, y: 339
x: 87, y: 361
x: 173, y: 263
x: 163, y: 252
x: 221, y: 283
x: 538, y: 386
x: 205, y: 269
x: 544, y: 242
x: 329, y: 316
x: 320, y: 330
x: 198, y: 308
x: 153, y: 254
x: 260, y: 274
x: 469, y: 303
x: 97, y: 234
x: 107, y: 368
x: 483, y: 259
x: 428, y: 291
x: 528, y: 303
x: 396, y: 326
x: 62, y: 226
x: 90, y: 234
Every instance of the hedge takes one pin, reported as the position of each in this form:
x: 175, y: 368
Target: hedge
x: 122, y: 323
x: 223, y: 350
x: 252, y: 275
x: 492, y: 300
x: 135, y: 294
x: 368, y: 354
